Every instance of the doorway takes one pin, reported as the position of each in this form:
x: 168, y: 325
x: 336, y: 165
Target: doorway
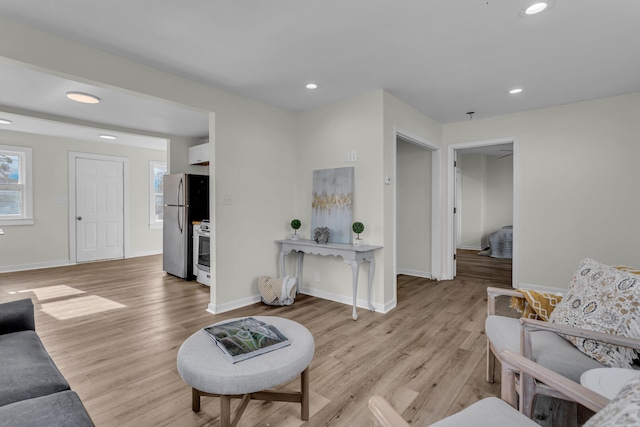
x: 413, y: 185
x: 483, y: 199
x: 418, y: 221
x: 97, y: 207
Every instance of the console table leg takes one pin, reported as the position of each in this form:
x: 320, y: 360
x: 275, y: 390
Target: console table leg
x: 354, y: 271
x: 282, y: 270
x: 299, y: 270
x: 372, y: 269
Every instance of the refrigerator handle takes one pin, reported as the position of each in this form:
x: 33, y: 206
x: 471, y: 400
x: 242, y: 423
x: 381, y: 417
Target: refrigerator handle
x: 180, y: 190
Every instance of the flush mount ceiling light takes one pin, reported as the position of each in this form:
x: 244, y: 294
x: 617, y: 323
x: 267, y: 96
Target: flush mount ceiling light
x: 5, y: 122
x: 85, y: 98
x: 515, y: 91
x: 312, y: 86
x: 537, y: 7
x: 107, y: 137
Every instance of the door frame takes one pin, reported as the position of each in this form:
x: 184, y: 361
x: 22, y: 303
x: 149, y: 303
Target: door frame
x: 436, y: 218
x: 450, y: 243
x: 73, y: 155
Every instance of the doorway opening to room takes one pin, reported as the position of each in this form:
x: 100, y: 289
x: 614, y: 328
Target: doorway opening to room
x: 417, y: 215
x: 483, y: 222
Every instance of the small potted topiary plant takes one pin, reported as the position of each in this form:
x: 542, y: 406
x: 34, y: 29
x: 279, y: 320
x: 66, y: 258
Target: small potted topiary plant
x: 295, y: 224
x: 358, y: 228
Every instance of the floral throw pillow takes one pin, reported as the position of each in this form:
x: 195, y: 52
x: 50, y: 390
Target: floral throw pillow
x: 623, y: 410
x: 604, y: 299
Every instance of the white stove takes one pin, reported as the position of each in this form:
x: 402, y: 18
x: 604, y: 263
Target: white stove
x: 202, y: 252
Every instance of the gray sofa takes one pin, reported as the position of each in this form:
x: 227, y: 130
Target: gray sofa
x: 33, y: 392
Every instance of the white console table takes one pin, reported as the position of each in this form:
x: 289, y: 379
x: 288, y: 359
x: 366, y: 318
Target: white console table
x: 352, y: 255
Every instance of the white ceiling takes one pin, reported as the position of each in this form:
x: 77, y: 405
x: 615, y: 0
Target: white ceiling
x: 35, y: 102
x: 443, y: 57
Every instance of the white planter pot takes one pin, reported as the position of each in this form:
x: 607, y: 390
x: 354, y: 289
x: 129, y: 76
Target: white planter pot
x: 358, y: 242
x: 295, y: 237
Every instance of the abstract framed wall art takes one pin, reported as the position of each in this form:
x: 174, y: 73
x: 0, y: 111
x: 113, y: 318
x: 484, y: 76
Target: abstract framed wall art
x: 332, y: 203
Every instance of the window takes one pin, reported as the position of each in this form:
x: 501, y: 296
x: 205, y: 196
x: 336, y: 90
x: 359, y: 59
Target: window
x: 16, y: 186
x: 157, y: 170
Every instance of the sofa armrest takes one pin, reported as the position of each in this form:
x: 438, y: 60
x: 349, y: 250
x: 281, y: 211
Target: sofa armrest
x: 517, y: 363
x: 17, y: 316
x: 493, y: 293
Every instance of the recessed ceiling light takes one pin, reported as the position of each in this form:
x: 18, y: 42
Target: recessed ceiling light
x: 85, y: 98
x: 5, y: 122
x: 312, y: 86
x: 514, y: 91
x: 536, y: 8
x: 107, y: 137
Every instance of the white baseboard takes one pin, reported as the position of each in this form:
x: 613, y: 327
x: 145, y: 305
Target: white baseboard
x: 361, y: 303
x: 144, y: 253
x: 62, y: 263
x: 390, y: 305
x: 222, y: 308
x: 34, y: 266
x: 415, y: 273
x: 470, y: 248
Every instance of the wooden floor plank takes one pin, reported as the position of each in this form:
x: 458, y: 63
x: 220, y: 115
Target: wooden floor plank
x: 426, y: 356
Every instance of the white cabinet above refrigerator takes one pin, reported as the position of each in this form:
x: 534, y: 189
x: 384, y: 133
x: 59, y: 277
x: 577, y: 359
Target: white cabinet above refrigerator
x: 199, y: 154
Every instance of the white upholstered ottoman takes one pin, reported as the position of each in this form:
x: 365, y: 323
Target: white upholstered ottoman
x: 206, y: 369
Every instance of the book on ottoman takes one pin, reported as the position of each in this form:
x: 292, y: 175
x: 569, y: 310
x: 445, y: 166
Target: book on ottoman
x: 245, y: 338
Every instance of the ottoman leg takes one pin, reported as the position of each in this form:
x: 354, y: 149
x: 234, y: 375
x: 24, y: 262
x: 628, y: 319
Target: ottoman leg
x: 304, y: 390
x: 195, y: 400
x: 225, y: 411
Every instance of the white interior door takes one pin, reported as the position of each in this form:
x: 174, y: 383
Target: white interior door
x: 99, y: 209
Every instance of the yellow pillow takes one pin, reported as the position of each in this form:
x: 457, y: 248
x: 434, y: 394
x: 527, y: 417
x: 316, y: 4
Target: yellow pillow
x: 535, y: 305
x: 627, y: 269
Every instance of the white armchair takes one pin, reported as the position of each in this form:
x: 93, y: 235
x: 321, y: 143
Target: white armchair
x: 539, y: 342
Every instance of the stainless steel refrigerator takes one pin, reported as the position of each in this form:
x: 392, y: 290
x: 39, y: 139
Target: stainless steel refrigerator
x: 186, y: 199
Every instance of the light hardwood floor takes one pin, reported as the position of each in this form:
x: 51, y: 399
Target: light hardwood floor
x: 114, y: 328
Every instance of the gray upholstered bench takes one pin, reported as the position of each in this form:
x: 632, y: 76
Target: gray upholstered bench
x: 207, y: 370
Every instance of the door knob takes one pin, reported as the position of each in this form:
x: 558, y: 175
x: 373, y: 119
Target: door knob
x: 79, y: 218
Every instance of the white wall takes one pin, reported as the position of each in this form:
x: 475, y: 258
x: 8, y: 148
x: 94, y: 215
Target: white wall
x: 400, y: 117
x: 255, y: 164
x: 324, y: 134
x: 178, y: 155
x: 577, y: 168
x: 498, y: 204
x: 578, y: 176
x: 414, y: 209
x: 472, y: 187
x: 487, y: 197
x: 253, y: 145
x: 367, y: 124
x: 46, y: 242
